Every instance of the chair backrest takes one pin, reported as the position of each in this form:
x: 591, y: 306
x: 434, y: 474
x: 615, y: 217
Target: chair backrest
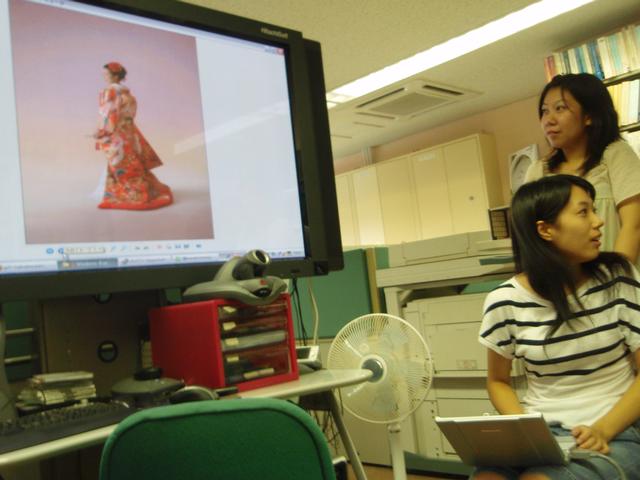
x: 237, y: 439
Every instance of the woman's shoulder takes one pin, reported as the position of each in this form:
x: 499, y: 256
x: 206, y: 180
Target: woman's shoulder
x: 537, y: 169
x: 620, y: 150
x: 612, y: 276
x: 620, y: 166
x: 505, y: 290
x: 511, y: 293
x: 110, y: 90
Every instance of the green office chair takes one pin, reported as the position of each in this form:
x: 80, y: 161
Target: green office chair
x: 238, y: 439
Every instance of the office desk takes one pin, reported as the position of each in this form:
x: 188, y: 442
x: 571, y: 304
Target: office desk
x: 321, y: 381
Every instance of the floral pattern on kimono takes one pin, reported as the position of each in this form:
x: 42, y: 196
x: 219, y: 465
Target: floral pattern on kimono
x: 129, y: 183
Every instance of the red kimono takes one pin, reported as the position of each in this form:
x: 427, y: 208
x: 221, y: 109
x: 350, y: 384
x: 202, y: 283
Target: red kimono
x: 129, y: 185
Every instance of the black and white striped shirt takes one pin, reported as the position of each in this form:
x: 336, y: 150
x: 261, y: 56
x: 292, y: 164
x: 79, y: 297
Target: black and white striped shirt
x: 576, y: 375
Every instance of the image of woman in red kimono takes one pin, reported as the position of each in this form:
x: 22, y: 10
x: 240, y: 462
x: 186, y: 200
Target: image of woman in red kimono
x: 129, y: 184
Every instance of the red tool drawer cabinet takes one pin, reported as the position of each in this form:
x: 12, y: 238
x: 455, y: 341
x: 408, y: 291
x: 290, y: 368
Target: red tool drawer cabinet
x: 219, y: 343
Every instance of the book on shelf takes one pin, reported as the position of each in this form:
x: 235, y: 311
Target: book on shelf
x: 626, y: 100
x: 605, y: 55
x: 584, y: 56
x: 634, y: 102
x: 616, y: 54
x: 632, y: 41
x: 594, y: 57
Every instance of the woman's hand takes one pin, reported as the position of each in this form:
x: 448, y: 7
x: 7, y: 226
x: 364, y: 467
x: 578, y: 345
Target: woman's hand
x: 590, y: 438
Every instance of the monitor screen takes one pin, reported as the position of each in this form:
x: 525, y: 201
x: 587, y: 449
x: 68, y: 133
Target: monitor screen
x: 142, y: 144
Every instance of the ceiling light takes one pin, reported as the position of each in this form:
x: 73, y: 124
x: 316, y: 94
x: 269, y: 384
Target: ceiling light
x: 456, y: 47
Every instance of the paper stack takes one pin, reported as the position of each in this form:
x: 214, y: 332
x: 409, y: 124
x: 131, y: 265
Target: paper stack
x: 55, y: 388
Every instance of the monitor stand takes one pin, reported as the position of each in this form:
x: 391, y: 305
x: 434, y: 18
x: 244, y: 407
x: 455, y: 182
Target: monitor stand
x: 7, y: 407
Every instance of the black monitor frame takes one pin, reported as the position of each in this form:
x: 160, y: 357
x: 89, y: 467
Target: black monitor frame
x: 313, y: 156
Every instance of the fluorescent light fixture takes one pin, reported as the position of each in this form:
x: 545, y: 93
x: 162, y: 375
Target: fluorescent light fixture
x: 456, y: 47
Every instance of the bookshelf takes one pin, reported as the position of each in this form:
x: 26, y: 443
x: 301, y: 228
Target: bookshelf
x: 615, y: 59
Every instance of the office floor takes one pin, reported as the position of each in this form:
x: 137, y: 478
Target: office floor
x: 374, y: 472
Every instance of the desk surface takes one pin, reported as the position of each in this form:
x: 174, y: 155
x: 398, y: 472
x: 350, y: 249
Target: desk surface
x: 309, y: 383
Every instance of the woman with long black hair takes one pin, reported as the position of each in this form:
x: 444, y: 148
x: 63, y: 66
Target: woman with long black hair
x: 580, y: 123
x: 571, y: 314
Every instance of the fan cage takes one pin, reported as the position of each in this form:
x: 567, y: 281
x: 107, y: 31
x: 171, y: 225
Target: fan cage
x: 406, y: 363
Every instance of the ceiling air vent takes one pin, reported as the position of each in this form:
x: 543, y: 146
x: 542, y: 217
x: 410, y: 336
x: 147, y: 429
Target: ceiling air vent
x: 411, y: 99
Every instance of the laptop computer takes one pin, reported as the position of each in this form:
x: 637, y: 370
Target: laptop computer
x: 523, y: 440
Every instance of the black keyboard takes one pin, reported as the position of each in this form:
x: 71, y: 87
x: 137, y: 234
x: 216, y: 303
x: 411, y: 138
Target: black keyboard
x: 56, y: 423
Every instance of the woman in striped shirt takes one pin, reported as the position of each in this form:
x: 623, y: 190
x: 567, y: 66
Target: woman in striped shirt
x: 572, y: 315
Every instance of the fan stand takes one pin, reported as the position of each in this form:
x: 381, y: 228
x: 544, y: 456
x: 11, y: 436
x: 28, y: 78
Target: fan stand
x: 397, y: 453
x: 400, y: 362
x: 378, y: 367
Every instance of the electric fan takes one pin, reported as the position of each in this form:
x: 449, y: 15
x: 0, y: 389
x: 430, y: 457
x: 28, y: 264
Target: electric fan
x: 402, y: 372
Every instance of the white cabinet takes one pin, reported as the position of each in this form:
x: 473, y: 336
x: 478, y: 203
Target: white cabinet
x: 397, y: 201
x: 359, y: 208
x: 366, y: 198
x: 467, y: 180
x: 434, y: 192
x: 455, y: 184
x: 346, y: 212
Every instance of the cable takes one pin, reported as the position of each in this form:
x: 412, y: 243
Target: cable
x: 583, y: 454
x: 296, y: 297
x: 316, y: 314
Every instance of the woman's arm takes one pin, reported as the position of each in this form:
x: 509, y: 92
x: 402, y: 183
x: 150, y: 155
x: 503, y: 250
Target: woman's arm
x: 108, y: 113
x: 623, y: 167
x: 624, y: 413
x: 501, y: 393
x: 628, y: 240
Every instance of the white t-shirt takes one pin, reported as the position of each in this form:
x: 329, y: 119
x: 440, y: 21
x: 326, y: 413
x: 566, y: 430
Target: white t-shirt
x: 616, y: 178
x: 576, y: 375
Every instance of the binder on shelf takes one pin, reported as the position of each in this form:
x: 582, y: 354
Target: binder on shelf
x: 634, y: 101
x: 249, y: 341
x: 558, y: 63
x: 633, y: 46
x: 235, y: 327
x: 614, y: 47
x: 605, y: 54
x: 584, y: 55
x: 594, y: 57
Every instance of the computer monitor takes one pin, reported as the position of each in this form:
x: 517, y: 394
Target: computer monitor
x: 144, y: 143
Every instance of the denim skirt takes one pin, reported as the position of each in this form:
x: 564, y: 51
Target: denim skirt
x: 625, y: 451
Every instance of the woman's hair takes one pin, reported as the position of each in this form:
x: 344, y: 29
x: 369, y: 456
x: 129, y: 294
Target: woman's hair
x: 546, y: 268
x: 116, y: 70
x: 596, y: 102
